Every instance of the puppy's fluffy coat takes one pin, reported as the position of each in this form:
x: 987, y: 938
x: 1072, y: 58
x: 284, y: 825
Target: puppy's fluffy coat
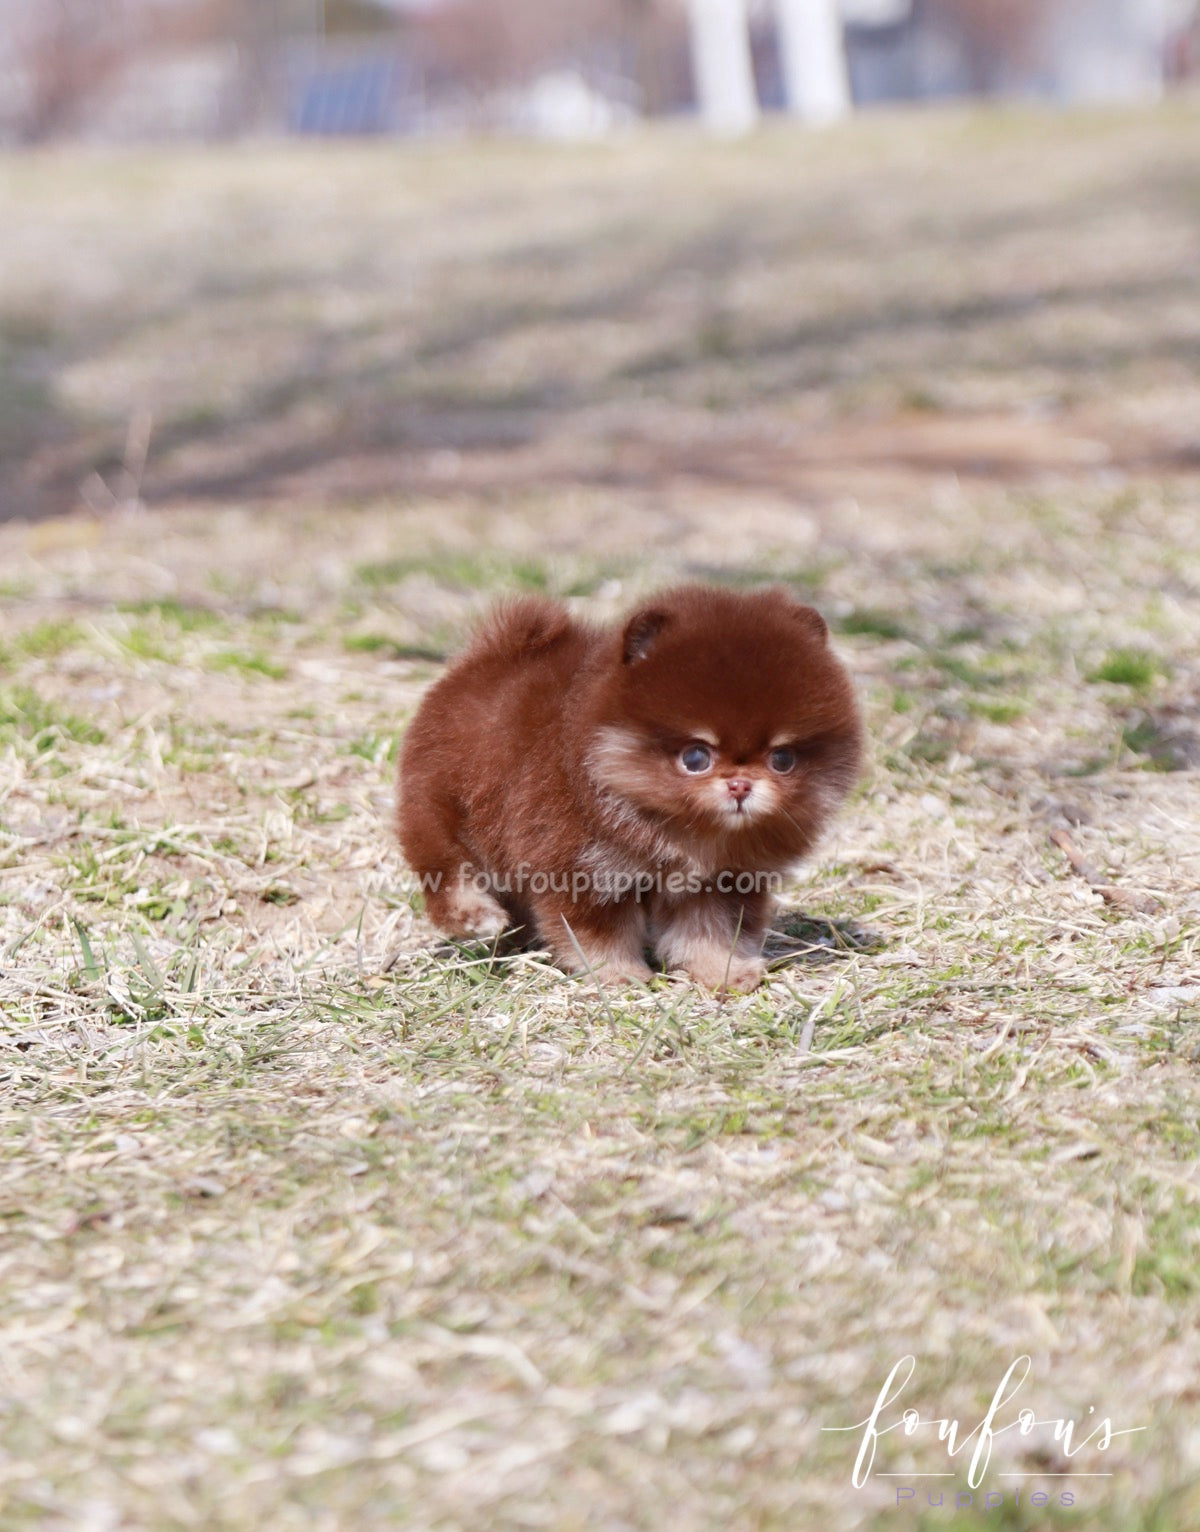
x: 605, y: 788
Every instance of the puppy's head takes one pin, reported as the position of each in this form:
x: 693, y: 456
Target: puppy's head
x: 725, y: 713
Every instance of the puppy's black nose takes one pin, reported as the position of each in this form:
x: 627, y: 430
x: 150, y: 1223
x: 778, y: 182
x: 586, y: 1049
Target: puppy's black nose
x: 739, y: 787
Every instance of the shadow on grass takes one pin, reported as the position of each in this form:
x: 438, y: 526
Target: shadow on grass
x: 797, y: 940
x: 463, y: 414
x: 679, y: 284
x: 794, y: 940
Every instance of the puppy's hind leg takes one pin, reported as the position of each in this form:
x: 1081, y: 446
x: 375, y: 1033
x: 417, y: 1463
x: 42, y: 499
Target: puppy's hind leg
x: 464, y: 908
x: 456, y: 892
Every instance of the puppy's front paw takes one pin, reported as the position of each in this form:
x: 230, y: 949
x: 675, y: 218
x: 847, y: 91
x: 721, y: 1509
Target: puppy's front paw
x: 624, y: 971
x: 728, y: 973
x: 617, y: 969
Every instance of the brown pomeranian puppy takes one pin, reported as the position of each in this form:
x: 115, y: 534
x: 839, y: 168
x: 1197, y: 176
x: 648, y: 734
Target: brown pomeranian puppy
x: 645, y: 786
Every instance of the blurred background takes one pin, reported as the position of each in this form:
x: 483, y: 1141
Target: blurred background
x: 330, y: 250
x: 150, y: 69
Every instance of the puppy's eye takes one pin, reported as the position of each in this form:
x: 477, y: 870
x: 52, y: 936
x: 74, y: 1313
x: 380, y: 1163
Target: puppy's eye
x: 696, y: 759
x: 781, y: 761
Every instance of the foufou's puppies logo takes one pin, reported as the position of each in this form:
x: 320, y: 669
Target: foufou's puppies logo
x: 998, y: 1421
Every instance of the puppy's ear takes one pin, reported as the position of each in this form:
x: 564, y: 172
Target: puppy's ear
x: 806, y: 617
x: 640, y: 632
x: 811, y: 620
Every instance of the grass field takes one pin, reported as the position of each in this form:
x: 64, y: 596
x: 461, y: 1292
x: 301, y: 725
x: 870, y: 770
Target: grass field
x: 311, y: 1221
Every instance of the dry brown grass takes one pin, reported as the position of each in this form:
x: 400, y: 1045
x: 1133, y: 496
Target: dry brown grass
x: 297, y: 1240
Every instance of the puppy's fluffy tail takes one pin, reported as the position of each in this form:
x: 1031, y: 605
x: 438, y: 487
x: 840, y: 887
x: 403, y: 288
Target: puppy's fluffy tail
x: 521, y: 626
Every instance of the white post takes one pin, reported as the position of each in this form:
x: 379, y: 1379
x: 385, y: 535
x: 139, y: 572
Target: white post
x: 723, y: 67
x: 813, y: 52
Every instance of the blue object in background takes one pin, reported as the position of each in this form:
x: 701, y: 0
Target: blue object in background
x: 353, y: 97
